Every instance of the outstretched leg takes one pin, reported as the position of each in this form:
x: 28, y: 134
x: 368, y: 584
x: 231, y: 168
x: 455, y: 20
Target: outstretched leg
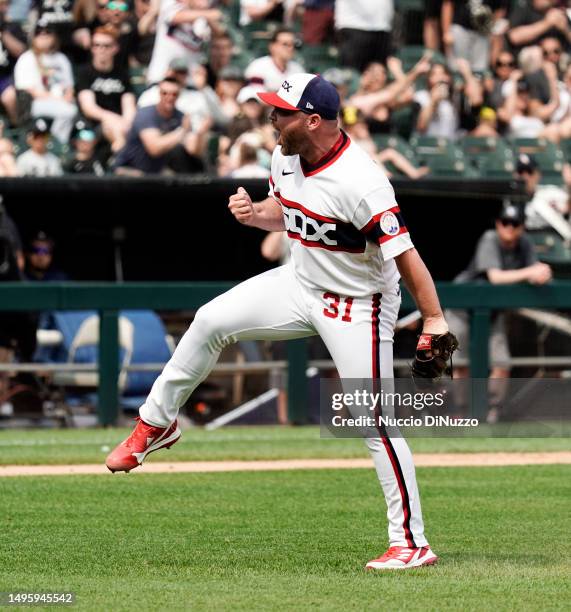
x: 266, y: 307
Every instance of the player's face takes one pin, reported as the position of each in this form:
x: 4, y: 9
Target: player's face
x: 290, y: 126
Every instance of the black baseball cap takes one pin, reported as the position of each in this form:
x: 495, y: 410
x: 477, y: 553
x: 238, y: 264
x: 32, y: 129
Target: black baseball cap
x: 510, y: 213
x: 526, y: 163
x: 39, y: 126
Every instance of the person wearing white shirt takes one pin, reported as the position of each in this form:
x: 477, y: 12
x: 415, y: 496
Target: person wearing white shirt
x: 272, y: 70
x: 47, y: 76
x: 183, y: 27
x: 364, y: 28
x: 37, y: 160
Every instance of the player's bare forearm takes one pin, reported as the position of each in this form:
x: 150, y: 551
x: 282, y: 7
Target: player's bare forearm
x: 266, y: 215
x: 418, y: 281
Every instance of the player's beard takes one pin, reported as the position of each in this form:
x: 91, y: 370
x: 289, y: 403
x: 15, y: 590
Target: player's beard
x: 291, y: 142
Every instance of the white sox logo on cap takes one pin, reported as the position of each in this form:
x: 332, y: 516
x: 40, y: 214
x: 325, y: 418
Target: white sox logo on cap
x: 305, y: 92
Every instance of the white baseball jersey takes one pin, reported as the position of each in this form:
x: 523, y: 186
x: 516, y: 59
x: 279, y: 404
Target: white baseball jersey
x: 181, y: 41
x: 342, y: 218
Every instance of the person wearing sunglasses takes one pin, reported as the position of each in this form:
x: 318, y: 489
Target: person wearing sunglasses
x: 104, y: 91
x: 497, y: 86
x: 503, y: 255
x: 40, y: 260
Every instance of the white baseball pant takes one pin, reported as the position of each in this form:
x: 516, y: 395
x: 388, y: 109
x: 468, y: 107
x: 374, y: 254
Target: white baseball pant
x: 357, y: 332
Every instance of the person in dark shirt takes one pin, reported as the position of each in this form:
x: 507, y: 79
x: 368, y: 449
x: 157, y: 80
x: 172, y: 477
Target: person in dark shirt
x: 39, y: 260
x: 536, y: 20
x: 12, y: 45
x: 160, y: 136
x: 104, y: 91
x: 58, y: 14
x: 503, y: 256
x: 84, y: 161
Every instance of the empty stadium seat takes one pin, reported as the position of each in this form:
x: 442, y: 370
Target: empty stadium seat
x: 319, y: 58
x: 393, y: 141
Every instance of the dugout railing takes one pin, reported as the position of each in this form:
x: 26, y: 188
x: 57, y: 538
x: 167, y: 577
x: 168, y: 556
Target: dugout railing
x: 108, y: 299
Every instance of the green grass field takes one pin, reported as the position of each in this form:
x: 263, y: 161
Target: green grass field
x: 62, y: 446
x: 293, y: 540
x: 286, y: 541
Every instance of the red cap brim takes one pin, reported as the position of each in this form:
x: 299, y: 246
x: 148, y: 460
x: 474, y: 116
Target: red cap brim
x: 274, y: 100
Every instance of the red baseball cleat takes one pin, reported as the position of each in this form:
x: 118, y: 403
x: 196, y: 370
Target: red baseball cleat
x: 144, y: 439
x: 401, y: 557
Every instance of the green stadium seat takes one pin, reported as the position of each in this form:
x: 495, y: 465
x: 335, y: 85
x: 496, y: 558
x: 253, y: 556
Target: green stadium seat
x: 532, y: 146
x: 444, y: 165
x: 497, y: 165
x: 394, y: 141
x: 138, y: 79
x: 565, y: 146
x: 319, y: 58
x: 486, y: 151
x: 428, y: 147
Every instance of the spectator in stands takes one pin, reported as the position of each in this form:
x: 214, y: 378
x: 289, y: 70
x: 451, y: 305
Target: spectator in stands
x: 249, y: 128
x: 364, y: 29
x: 515, y: 111
x: 376, y: 99
x: 121, y: 18
x: 438, y: 116
x: 487, y: 124
x: 7, y: 160
x: 40, y: 260
x: 503, y: 256
x: 198, y: 101
x: 88, y: 15
x: 467, y: 29
x: 161, y: 137
x: 182, y: 30
x: 498, y: 86
x: 272, y: 70
x: 531, y: 22
x: 230, y: 82
x: 542, y: 78
x: 553, y: 52
x: 12, y: 45
x: 104, y: 92
x: 84, y: 160
x: 37, y: 160
x: 318, y: 21
x: 46, y: 75
x: 220, y: 53
x: 59, y: 17
x: 146, y: 13
x: 261, y: 10
x: 248, y: 165
x: 548, y: 206
x: 444, y: 110
x: 251, y: 116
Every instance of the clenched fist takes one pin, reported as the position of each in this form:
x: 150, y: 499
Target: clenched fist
x: 241, y: 206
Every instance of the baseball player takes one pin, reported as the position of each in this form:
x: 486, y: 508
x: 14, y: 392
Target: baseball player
x: 349, y: 247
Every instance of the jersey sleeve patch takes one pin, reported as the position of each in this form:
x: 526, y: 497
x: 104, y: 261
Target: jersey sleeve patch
x: 385, y: 226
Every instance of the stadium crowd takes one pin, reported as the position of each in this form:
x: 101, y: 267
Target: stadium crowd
x: 442, y: 87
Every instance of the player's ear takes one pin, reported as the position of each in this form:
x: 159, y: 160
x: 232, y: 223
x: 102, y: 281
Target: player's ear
x: 313, y: 121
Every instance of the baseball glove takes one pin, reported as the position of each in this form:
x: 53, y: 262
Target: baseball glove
x: 432, y: 354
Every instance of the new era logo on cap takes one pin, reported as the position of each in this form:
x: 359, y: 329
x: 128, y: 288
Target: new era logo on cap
x: 305, y: 92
